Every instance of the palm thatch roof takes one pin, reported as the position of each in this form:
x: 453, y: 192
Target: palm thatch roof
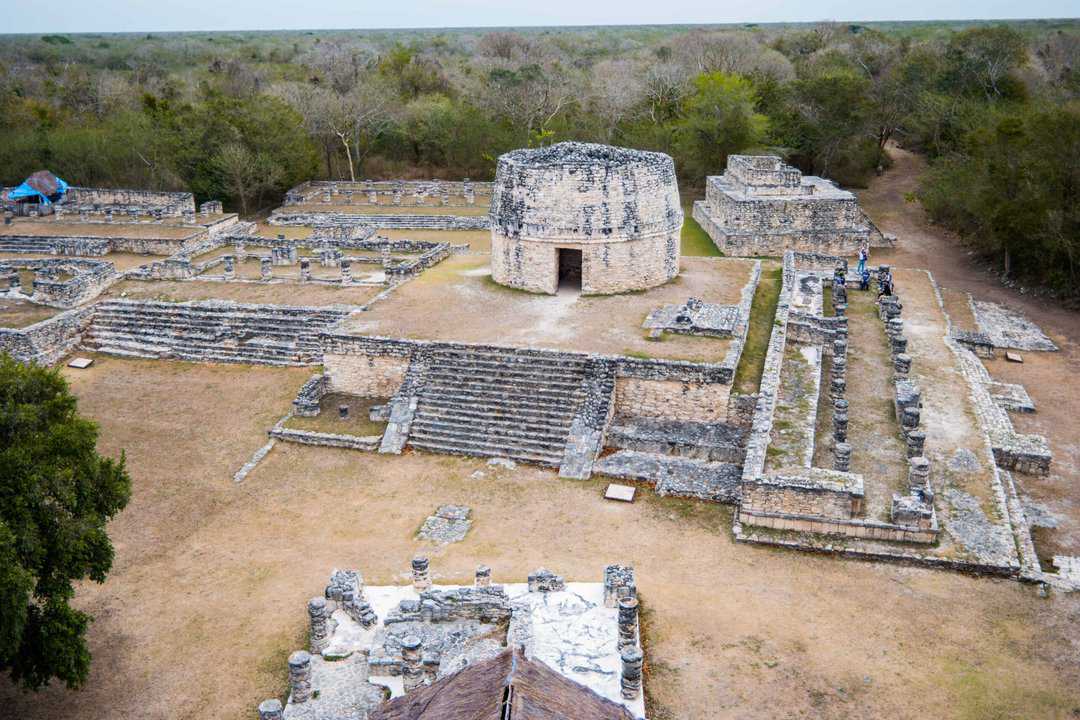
x: 505, y: 687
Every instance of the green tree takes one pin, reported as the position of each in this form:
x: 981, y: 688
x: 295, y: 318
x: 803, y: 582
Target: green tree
x: 718, y: 119
x: 56, y: 495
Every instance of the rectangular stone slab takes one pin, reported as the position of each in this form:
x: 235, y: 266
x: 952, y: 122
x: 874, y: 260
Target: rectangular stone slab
x: 623, y: 493
x: 81, y: 363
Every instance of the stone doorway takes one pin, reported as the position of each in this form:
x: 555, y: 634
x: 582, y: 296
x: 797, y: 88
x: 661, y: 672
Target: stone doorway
x: 569, y: 269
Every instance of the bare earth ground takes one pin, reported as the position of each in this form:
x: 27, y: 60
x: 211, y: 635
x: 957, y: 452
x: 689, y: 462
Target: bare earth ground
x: 62, y: 228
x: 21, y: 313
x: 207, y: 595
x: 457, y: 300
x: 283, y: 293
x: 1050, y: 378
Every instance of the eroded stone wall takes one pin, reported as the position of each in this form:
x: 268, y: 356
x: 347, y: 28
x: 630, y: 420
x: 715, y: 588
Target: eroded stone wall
x: 672, y: 399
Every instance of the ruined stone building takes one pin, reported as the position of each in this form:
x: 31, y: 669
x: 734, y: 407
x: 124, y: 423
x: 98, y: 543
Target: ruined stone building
x: 762, y: 206
x: 595, y: 218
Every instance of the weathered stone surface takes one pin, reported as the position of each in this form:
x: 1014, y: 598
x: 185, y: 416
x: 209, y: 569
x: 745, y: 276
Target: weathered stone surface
x: 618, y: 207
x: 1008, y: 329
x: 449, y: 524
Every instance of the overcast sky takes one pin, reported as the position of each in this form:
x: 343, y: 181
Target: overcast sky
x: 164, y: 15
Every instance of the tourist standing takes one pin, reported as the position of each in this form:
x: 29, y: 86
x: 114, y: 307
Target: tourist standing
x: 864, y: 255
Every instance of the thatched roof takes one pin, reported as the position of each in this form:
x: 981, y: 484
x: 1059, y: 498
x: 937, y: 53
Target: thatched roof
x: 505, y: 687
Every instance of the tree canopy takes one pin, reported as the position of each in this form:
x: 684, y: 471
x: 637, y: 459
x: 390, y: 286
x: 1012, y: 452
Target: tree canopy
x: 56, y: 496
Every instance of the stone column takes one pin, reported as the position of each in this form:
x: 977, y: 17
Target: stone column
x: 373, y: 197
x: 910, y: 419
x: 320, y: 631
x: 483, y: 576
x: 902, y: 364
x: 628, y: 621
x: 631, y: 672
x: 899, y: 344
x: 468, y: 191
x: 108, y: 215
x: 300, y: 676
x: 305, y: 270
x: 292, y: 254
x: 189, y: 217
x: 842, y: 457
x: 840, y: 347
x: 840, y: 420
x: 837, y: 388
x: 918, y: 474
x: 230, y: 267
x: 412, y: 668
x: 421, y: 576
x: 15, y: 282
x: 346, y: 271
x: 271, y: 710
x: 916, y: 442
x: 265, y: 269
x: 328, y: 197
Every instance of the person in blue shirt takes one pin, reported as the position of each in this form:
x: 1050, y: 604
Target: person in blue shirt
x: 864, y: 279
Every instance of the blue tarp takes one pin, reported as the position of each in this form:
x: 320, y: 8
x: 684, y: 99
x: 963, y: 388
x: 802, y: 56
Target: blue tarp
x: 27, y: 190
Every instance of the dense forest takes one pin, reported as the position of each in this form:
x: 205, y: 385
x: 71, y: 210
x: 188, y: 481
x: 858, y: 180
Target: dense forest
x: 243, y: 116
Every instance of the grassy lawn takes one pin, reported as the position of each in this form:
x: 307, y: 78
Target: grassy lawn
x: 762, y: 312
x: 695, y: 241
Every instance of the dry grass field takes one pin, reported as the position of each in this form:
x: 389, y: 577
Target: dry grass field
x: 207, y: 595
x: 63, y: 228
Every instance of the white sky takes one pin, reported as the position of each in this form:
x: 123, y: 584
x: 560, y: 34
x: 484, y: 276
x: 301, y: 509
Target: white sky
x: 166, y: 15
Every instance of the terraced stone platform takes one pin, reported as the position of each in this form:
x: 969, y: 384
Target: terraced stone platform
x: 504, y: 402
x: 211, y: 331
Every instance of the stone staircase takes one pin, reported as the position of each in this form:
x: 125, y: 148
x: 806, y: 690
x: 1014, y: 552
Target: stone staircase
x: 499, y: 402
x: 211, y: 331
x: 27, y: 244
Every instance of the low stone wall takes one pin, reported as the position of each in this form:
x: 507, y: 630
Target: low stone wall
x: 123, y: 200
x: 308, y: 437
x: 89, y: 278
x: 308, y: 400
x: 288, y: 217
x: 388, y: 192
x: 48, y: 341
x: 672, y: 400
x: 44, y: 245
x: 814, y: 494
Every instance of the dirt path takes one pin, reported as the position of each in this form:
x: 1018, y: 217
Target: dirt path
x: 1047, y: 376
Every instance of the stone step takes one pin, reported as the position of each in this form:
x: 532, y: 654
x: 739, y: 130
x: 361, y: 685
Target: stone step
x: 508, y: 385
x: 495, y: 428
x: 505, y: 395
x: 246, y: 357
x: 207, y: 334
x: 563, y: 379
x: 485, y: 450
x: 476, y: 410
x: 500, y: 356
x: 219, y: 315
x: 268, y: 349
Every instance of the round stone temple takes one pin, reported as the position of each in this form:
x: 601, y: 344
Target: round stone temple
x: 588, y: 218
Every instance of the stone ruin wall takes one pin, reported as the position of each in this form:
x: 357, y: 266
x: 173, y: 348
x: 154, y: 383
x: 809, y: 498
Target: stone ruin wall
x: 170, y: 203
x: 48, y: 341
x: 389, y: 220
x: 383, y: 192
x: 605, y: 269
x: 89, y: 278
x: 671, y: 399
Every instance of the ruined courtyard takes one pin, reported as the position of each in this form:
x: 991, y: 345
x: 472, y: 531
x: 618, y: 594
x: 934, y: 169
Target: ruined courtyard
x: 876, y: 431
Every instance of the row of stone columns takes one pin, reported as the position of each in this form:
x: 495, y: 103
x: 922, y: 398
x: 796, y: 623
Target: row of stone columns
x: 266, y: 268
x: 629, y: 652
